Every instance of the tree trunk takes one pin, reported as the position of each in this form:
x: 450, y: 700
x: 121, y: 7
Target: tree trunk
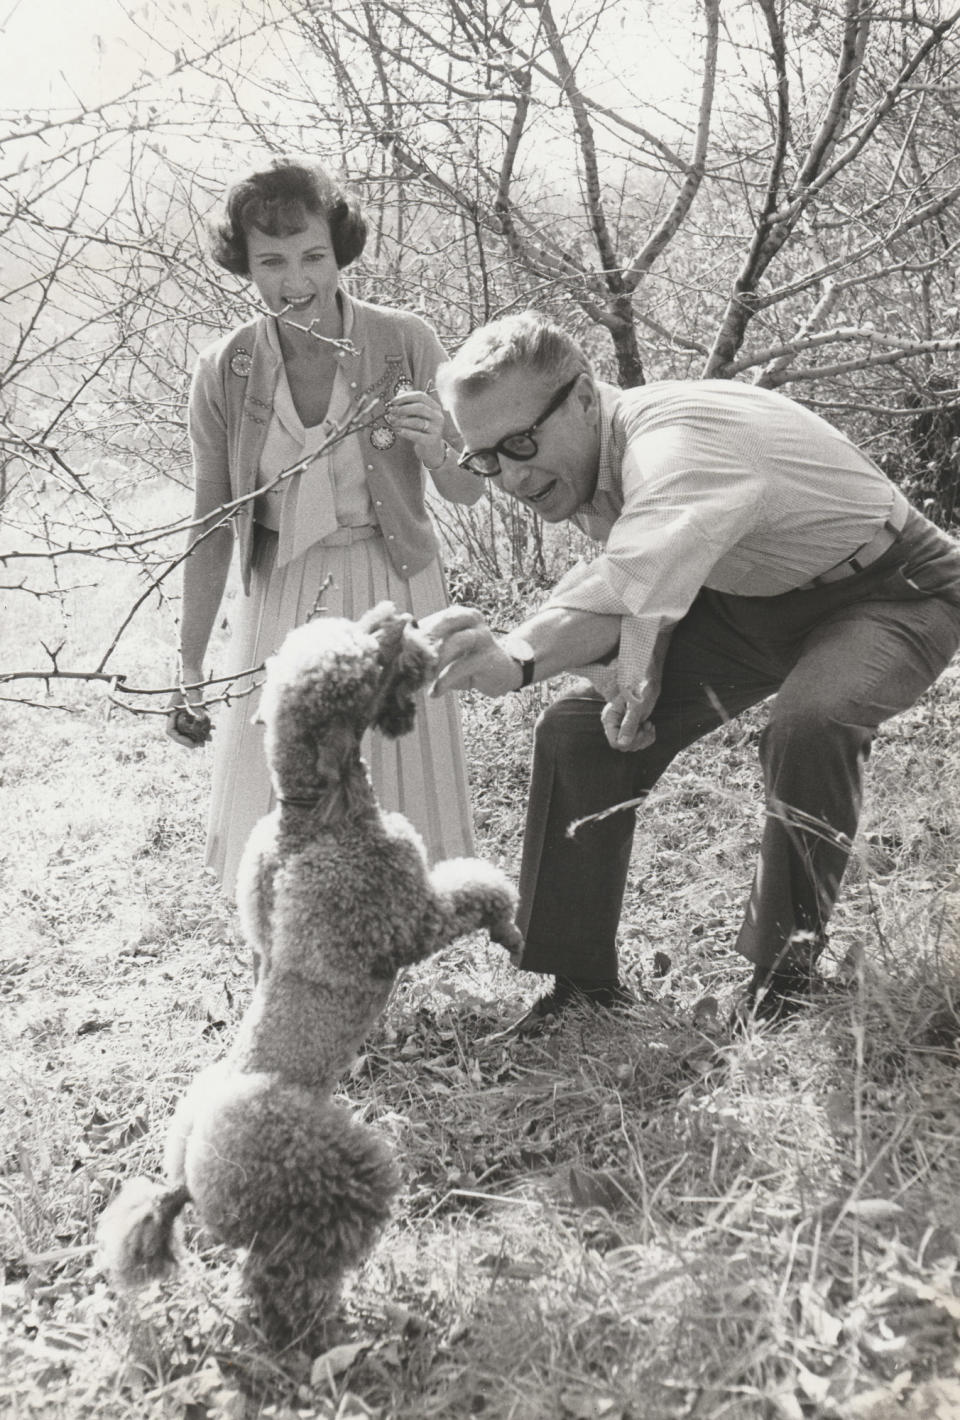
x: 623, y: 333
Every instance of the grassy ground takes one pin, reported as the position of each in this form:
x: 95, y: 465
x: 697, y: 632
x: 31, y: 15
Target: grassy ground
x: 635, y: 1217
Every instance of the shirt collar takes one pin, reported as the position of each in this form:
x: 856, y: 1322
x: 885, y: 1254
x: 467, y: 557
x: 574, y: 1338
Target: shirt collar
x: 349, y: 312
x: 272, y: 337
x: 282, y: 401
x: 610, y: 458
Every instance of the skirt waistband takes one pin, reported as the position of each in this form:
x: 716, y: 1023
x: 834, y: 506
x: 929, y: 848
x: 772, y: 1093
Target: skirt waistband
x: 341, y: 537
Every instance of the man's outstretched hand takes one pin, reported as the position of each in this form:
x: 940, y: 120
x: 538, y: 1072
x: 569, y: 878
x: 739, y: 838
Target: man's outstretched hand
x: 470, y: 657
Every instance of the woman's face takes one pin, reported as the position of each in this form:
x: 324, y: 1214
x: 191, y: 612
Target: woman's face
x: 297, y: 275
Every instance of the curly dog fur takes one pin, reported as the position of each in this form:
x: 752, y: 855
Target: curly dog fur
x: 335, y: 898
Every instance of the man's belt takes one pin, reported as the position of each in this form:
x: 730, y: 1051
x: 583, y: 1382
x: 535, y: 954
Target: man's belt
x: 882, y: 540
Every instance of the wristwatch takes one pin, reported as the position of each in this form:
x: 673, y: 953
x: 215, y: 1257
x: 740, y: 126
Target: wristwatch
x: 521, y: 652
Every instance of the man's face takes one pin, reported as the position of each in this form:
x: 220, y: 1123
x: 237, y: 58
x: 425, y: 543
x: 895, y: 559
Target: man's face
x: 562, y: 474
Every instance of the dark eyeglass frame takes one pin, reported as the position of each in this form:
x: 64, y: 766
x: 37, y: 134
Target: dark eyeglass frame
x: 530, y: 448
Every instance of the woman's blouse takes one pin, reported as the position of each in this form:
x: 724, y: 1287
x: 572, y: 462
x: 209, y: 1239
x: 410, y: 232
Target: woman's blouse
x: 331, y: 492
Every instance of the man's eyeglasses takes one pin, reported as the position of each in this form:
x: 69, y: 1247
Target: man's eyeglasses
x: 522, y: 446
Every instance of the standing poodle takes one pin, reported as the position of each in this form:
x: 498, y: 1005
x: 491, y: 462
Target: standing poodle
x: 335, y: 898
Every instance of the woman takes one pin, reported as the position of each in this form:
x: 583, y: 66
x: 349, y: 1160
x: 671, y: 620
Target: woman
x: 351, y: 529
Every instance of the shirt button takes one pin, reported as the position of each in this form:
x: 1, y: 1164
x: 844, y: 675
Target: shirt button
x: 353, y: 384
x: 379, y: 502
x: 403, y: 567
x: 369, y: 468
x: 390, y: 537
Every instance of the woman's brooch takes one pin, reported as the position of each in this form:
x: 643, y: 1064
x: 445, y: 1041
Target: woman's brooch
x: 241, y: 363
x: 381, y: 435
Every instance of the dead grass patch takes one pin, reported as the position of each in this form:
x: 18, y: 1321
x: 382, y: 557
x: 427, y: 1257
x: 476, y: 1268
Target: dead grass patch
x: 634, y: 1216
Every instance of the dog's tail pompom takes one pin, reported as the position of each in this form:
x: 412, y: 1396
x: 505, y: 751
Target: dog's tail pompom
x: 138, y: 1237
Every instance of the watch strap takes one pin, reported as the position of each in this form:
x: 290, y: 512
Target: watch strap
x: 527, y: 666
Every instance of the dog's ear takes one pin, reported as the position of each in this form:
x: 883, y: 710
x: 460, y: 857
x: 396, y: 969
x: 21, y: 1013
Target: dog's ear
x: 389, y: 633
x: 408, y: 661
x: 385, y: 623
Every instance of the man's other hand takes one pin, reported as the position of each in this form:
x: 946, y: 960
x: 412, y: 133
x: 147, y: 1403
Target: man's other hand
x: 625, y: 722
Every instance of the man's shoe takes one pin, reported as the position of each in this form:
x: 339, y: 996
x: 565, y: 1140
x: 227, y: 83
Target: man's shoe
x: 773, y: 997
x: 568, y: 994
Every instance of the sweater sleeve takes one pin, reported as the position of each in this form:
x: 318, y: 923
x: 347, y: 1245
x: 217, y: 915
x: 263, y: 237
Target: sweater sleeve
x: 207, y: 424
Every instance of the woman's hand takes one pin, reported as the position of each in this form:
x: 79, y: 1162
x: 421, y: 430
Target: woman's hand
x: 470, y: 658
x: 625, y: 722
x: 188, y: 722
x: 418, y: 417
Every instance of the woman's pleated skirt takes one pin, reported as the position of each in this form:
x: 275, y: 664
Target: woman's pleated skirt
x: 423, y: 774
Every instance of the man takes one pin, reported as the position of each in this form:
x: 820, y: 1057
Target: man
x: 749, y: 550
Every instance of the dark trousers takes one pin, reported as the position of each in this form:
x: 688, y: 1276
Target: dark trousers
x: 840, y: 659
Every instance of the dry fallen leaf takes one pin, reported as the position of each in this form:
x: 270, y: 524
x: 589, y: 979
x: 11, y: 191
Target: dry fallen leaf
x: 582, y: 1404
x: 333, y: 1363
x: 873, y: 1209
x: 596, y: 1188
x: 945, y: 1300
x: 934, y: 1400
x: 818, y: 1320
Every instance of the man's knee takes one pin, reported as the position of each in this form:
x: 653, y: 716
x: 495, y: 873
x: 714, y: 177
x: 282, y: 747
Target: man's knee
x: 816, y: 732
x: 568, y: 722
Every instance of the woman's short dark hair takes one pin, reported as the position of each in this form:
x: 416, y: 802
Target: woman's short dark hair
x: 276, y: 201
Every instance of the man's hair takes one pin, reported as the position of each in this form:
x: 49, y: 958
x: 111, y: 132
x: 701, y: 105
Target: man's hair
x: 527, y: 341
x: 278, y: 201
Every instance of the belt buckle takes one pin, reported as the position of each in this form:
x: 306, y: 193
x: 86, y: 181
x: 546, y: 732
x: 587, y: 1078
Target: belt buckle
x: 853, y: 564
